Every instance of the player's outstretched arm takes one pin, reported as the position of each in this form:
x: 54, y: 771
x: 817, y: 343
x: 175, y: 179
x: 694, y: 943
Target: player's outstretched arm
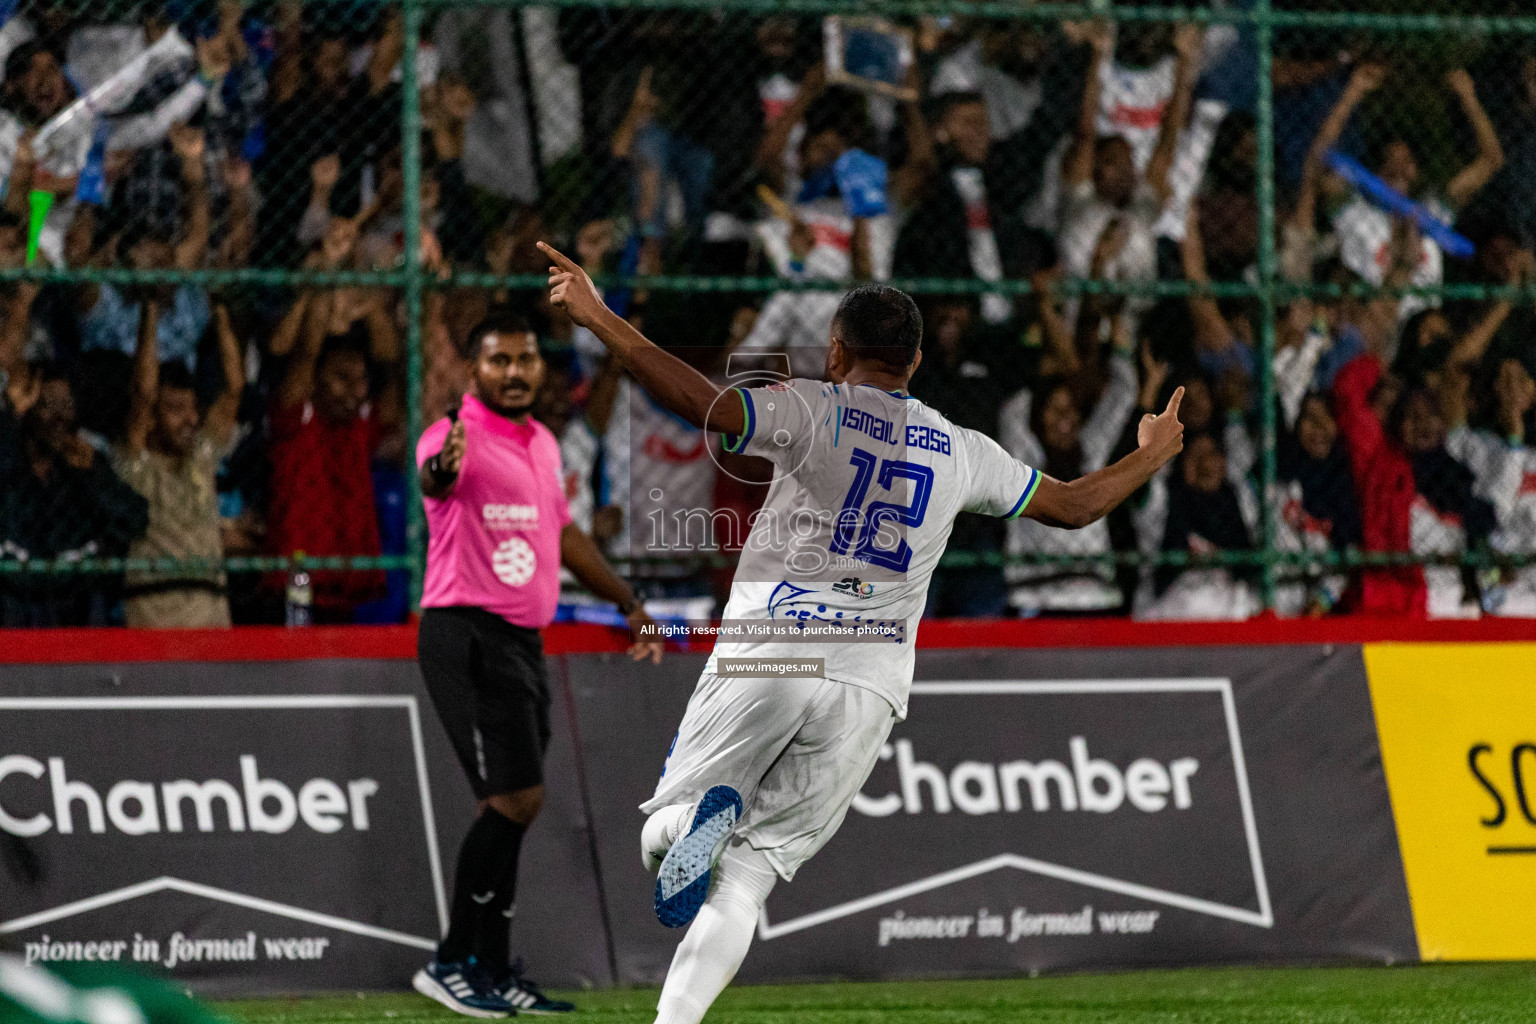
x: 1089, y: 498
x: 672, y: 382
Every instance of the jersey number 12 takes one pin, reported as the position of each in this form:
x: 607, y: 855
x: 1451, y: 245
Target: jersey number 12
x: 858, y: 527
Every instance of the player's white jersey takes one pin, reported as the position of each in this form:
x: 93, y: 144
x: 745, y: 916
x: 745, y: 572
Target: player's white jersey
x: 866, y: 488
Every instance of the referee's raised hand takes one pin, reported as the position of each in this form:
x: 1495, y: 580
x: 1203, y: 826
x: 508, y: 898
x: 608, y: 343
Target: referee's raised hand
x: 441, y: 471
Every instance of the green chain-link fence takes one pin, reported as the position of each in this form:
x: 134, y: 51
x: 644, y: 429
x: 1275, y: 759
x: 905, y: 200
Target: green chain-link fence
x: 1317, y: 220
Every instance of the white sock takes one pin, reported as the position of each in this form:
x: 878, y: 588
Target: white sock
x: 660, y: 831
x: 717, y: 941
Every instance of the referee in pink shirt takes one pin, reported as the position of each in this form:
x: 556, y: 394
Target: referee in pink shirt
x: 499, y: 531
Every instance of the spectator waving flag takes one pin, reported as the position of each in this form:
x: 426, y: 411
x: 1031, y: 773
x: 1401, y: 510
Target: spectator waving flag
x: 1393, y: 201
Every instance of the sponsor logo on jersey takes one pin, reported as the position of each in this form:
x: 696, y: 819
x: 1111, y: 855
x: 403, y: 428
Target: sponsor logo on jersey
x: 853, y: 586
x: 791, y: 602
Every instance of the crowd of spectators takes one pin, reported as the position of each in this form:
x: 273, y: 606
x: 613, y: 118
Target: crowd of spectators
x: 192, y: 423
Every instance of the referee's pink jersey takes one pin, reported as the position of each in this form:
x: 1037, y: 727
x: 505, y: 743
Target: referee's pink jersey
x: 494, y: 538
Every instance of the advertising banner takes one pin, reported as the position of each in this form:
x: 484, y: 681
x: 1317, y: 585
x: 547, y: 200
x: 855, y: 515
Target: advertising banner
x: 281, y: 826
x: 1458, y: 735
x: 259, y: 827
x: 1056, y: 809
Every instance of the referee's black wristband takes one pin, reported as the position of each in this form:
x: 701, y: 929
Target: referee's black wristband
x: 440, y: 476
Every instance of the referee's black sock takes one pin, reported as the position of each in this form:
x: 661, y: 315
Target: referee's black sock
x: 493, y: 941
x: 487, y: 862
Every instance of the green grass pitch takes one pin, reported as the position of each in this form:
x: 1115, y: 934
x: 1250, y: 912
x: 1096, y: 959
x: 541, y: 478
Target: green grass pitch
x: 1448, y: 993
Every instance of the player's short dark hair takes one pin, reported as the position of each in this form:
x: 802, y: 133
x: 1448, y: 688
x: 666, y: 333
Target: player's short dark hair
x: 174, y: 374
x: 500, y: 320
x: 881, y: 323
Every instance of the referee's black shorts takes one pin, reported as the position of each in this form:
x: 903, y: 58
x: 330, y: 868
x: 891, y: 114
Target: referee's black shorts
x: 487, y: 681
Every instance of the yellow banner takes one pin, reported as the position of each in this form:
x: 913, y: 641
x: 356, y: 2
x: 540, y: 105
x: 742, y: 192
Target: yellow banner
x: 1458, y: 737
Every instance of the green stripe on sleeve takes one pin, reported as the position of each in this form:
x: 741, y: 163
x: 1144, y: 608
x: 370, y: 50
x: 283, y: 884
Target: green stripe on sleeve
x: 1029, y: 492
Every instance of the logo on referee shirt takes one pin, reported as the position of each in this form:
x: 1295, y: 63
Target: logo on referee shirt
x: 509, y: 515
x: 514, y: 562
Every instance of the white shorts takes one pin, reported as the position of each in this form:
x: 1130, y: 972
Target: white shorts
x: 797, y: 750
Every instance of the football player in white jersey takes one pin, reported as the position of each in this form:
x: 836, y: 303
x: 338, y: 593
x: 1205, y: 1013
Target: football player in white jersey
x: 867, y: 484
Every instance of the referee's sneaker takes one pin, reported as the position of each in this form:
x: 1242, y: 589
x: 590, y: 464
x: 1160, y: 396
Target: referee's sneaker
x: 499, y: 532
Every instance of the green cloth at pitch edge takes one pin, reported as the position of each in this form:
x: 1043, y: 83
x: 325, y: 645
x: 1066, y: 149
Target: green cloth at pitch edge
x: 85, y: 993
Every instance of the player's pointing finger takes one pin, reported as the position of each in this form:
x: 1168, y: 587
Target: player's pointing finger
x: 559, y: 257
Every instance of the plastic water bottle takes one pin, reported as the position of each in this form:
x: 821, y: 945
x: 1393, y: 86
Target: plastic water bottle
x: 301, y: 599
